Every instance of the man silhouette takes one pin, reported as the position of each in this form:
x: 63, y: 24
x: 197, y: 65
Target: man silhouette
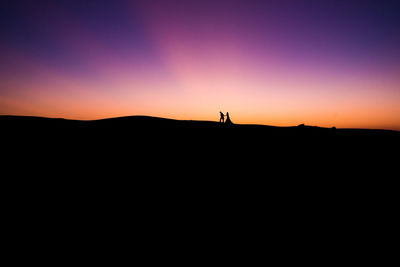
x: 222, y: 119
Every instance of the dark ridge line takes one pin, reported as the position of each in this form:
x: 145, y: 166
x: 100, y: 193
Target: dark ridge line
x: 154, y: 118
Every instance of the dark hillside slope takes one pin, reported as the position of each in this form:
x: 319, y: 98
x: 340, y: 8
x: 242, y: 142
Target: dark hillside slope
x: 149, y: 139
x: 153, y: 160
x: 142, y: 135
x: 147, y: 124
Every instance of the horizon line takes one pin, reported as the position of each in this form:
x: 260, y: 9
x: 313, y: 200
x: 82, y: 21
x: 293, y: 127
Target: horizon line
x: 156, y: 117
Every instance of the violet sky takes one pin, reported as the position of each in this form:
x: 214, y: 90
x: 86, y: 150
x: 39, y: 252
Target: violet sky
x: 277, y: 62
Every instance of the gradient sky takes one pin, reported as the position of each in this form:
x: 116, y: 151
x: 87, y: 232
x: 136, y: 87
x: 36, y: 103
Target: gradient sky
x: 279, y: 62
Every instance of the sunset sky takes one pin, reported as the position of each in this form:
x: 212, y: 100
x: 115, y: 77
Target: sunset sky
x: 275, y: 62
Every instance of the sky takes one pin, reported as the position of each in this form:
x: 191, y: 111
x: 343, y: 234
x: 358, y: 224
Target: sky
x: 275, y: 62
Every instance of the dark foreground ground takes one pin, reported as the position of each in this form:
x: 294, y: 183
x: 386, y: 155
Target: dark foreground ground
x: 136, y: 125
x: 201, y: 144
x: 201, y: 153
x: 299, y: 193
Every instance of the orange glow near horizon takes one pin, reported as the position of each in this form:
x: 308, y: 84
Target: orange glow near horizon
x: 193, y: 59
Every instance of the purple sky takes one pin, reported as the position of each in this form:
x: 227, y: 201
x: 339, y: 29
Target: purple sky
x: 272, y: 62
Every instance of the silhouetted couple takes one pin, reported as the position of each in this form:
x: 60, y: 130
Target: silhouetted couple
x: 222, y: 119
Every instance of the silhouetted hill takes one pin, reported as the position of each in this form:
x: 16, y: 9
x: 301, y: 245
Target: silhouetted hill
x: 155, y: 164
x: 16, y: 124
x: 202, y: 145
x: 161, y: 139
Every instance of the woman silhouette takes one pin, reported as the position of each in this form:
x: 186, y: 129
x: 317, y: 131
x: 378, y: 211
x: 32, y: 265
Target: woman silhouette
x: 228, y: 119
